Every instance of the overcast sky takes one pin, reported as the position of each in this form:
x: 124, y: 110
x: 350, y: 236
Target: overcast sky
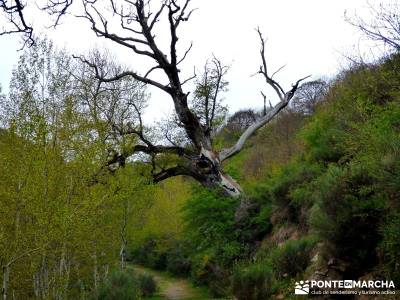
x: 308, y: 36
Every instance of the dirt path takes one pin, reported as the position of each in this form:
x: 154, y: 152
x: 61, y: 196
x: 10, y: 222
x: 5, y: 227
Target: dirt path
x: 173, y: 288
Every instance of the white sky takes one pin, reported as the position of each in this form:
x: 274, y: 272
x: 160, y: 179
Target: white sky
x: 309, y: 36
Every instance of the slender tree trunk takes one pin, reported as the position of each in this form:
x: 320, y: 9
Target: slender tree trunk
x: 64, y: 271
x: 124, y: 241
x: 123, y: 256
x: 106, y: 269
x: 6, y: 278
x: 67, y: 266
x: 36, y: 284
x: 45, y: 277
x: 95, y: 273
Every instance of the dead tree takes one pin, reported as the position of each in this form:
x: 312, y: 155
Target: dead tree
x: 200, y: 161
x: 137, y: 22
x: 17, y: 22
x: 384, y: 27
x: 13, y: 11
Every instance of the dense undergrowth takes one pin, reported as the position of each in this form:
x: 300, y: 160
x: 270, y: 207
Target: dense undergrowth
x: 321, y: 183
x: 126, y: 285
x: 325, y: 193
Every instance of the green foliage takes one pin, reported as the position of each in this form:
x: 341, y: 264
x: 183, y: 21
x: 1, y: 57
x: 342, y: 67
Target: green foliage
x: 174, y: 258
x: 292, y: 257
x: 253, y: 282
x: 119, y: 286
x: 178, y: 261
x: 209, y: 220
x: 262, y: 278
x: 355, y: 135
x: 206, y: 102
x: 148, y: 254
x: 324, y: 139
x: 146, y: 284
x: 390, y: 248
x: 216, y: 240
x: 126, y: 285
x: 349, y: 215
x: 335, y: 173
x: 288, y: 190
x: 345, y: 182
x: 60, y: 216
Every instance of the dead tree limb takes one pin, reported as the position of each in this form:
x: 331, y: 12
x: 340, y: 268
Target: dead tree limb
x: 199, y: 160
x: 284, y: 98
x: 383, y: 27
x: 137, y: 22
x: 15, y: 14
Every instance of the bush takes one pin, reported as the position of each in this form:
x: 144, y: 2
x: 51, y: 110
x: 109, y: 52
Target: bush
x: 390, y: 248
x: 123, y: 285
x: 178, y: 262
x: 210, y: 225
x: 349, y: 216
x: 291, y: 258
x: 253, y: 282
x: 289, y: 189
x: 148, y: 254
x: 146, y: 284
x: 118, y: 286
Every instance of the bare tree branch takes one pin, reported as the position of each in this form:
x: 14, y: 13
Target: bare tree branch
x: 143, y: 19
x: 171, y: 172
x: 185, y: 54
x: 122, y: 75
x: 15, y: 15
x: 264, y: 70
x: 58, y: 8
x: 384, y: 26
x: 284, y: 97
x: 265, y: 103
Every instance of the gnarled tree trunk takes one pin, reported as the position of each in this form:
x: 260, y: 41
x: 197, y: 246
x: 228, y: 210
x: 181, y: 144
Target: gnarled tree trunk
x: 199, y: 160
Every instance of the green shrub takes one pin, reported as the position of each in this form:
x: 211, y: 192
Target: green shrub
x: 210, y: 225
x: 178, y: 262
x: 349, y: 216
x: 292, y: 257
x: 146, y: 284
x: 149, y: 255
x: 118, y: 286
x: 216, y: 240
x: 253, y: 282
x: 124, y: 285
x: 390, y: 248
x: 323, y: 137
x: 289, y: 189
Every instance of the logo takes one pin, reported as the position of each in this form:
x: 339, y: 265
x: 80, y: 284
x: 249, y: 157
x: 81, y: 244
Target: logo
x: 348, y: 284
x: 302, y: 287
x: 344, y: 287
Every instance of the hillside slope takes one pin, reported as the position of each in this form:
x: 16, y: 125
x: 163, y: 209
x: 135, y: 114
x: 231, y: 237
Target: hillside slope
x: 325, y: 190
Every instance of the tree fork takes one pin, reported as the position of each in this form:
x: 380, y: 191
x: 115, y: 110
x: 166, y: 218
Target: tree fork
x: 203, y: 163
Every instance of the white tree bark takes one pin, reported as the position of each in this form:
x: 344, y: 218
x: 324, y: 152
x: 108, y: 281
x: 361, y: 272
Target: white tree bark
x: 6, y: 278
x: 228, y: 152
x: 95, y: 273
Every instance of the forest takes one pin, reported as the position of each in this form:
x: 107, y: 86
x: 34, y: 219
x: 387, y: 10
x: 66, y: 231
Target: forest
x: 97, y: 203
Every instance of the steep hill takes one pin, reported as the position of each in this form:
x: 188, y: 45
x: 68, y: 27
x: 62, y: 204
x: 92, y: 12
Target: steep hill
x: 324, y: 190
